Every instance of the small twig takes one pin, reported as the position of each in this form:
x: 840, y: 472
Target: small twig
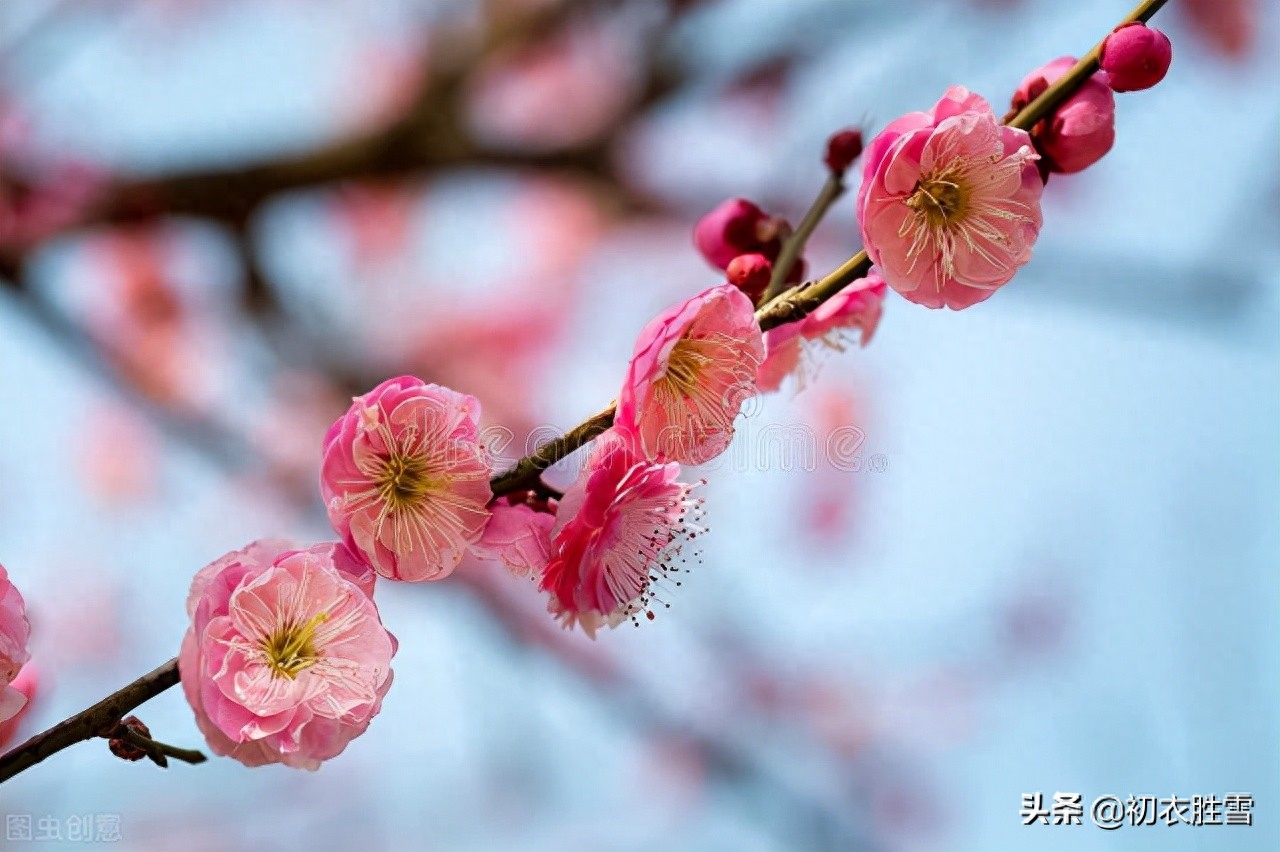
x: 158, y: 751
x: 793, y: 246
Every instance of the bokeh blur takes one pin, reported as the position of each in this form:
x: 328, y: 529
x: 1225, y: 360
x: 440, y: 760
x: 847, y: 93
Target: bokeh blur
x: 1031, y: 547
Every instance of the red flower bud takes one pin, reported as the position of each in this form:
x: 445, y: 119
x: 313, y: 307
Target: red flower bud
x: 843, y: 148
x: 750, y: 273
x: 1135, y: 57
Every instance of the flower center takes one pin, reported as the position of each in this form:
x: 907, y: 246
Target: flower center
x: 684, y: 366
x: 942, y: 198
x: 403, y: 480
x: 291, y: 648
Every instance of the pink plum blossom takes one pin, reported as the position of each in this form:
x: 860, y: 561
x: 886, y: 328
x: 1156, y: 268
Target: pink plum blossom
x: 620, y: 531
x: 1081, y: 130
x: 286, y: 659
x: 950, y: 202
x: 405, y: 479
x: 1135, y: 57
x: 15, y: 631
x: 854, y: 312
x: 518, y: 535
x: 693, y: 367
x: 736, y: 227
x: 27, y: 684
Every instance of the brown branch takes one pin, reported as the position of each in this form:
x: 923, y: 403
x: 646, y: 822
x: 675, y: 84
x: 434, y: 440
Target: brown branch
x: 88, y: 724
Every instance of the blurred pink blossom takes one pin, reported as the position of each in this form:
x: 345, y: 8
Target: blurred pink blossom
x: 27, y: 683
x: 852, y: 314
x: 405, y: 480
x: 693, y: 367
x: 950, y: 202
x: 15, y: 632
x: 620, y: 529
x: 286, y: 660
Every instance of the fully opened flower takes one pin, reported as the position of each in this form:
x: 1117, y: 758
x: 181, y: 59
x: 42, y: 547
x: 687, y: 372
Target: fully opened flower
x: 620, y: 532
x: 852, y: 314
x: 950, y: 202
x: 286, y: 660
x: 15, y: 631
x: 405, y: 480
x: 693, y: 367
x: 1081, y: 130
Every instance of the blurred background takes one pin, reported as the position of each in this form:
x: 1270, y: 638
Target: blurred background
x: 1034, y: 549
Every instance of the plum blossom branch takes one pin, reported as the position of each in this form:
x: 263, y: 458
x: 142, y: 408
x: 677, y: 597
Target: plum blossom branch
x: 787, y: 307
x: 90, y: 723
x: 798, y: 302
x: 793, y: 245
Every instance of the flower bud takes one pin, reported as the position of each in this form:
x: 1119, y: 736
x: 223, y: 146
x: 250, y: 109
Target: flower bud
x: 737, y: 227
x: 843, y: 148
x: 750, y: 273
x: 121, y: 747
x: 1081, y: 130
x: 1136, y: 57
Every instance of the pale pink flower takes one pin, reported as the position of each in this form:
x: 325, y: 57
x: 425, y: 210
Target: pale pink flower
x: 950, y: 202
x: 286, y: 660
x: 405, y: 479
x: 1135, y: 57
x: 1081, y: 130
x: 15, y: 631
x: 620, y: 533
x: 26, y: 684
x: 851, y: 315
x: 519, y: 536
x: 693, y: 367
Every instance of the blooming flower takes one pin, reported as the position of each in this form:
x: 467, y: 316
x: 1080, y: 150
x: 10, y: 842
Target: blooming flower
x: 693, y: 367
x: 854, y: 312
x: 950, y: 202
x: 620, y: 532
x: 15, y: 630
x: 405, y: 480
x: 286, y: 659
x: 1135, y: 57
x: 519, y: 536
x: 1081, y: 130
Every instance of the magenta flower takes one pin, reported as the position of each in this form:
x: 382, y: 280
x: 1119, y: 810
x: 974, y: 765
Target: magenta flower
x: 286, y: 660
x: 519, y: 536
x: 619, y: 533
x: 849, y: 316
x: 405, y: 480
x: 15, y: 631
x: 1135, y: 57
x: 693, y: 367
x: 1081, y: 130
x: 950, y: 202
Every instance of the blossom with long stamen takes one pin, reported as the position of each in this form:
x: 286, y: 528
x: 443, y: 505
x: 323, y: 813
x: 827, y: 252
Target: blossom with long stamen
x: 950, y: 202
x: 694, y: 366
x: 286, y: 660
x: 405, y: 480
x: 620, y: 536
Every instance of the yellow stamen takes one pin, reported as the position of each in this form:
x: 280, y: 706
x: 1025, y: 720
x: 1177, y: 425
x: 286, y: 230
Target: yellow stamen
x: 942, y: 198
x: 290, y: 649
x: 404, y: 480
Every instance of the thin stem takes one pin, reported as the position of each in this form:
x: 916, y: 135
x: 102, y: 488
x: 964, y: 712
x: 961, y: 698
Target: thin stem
x: 158, y: 751
x: 87, y: 724
x: 793, y: 245
x: 790, y: 306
